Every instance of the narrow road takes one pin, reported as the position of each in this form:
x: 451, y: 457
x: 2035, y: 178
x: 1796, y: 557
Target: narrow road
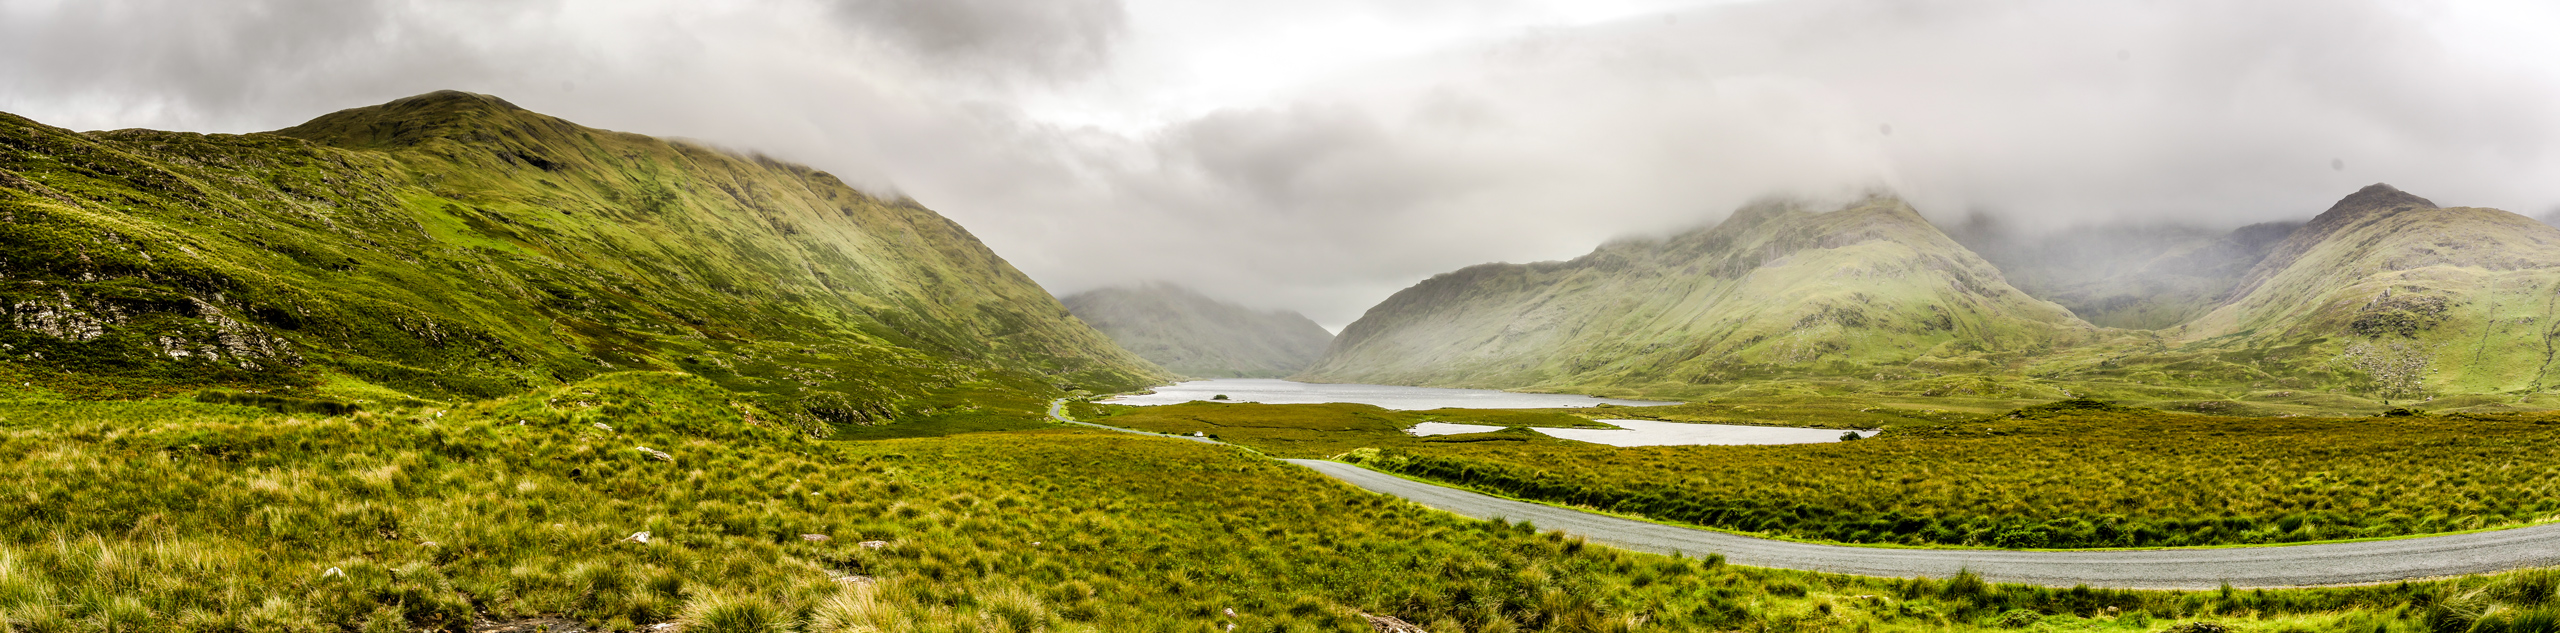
x: 2280, y: 566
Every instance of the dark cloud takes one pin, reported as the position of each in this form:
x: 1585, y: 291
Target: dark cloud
x: 194, y: 57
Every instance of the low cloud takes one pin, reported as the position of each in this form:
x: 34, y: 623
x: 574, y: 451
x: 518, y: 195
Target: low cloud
x: 1043, y: 36
x: 1509, y: 139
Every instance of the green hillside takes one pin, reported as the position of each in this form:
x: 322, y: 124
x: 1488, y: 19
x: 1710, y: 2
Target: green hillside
x: 1778, y: 289
x: 2389, y: 294
x: 1197, y: 336
x: 455, y: 246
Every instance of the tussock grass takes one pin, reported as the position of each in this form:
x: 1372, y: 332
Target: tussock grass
x: 2073, y: 473
x: 2067, y: 478
x: 172, y: 515
x: 1314, y: 430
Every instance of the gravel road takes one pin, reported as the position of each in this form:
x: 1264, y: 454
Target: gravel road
x: 2278, y: 566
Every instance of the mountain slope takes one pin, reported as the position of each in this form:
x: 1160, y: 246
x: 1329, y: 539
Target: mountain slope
x: 452, y: 245
x: 1197, y: 336
x: 1777, y: 289
x: 2388, y: 289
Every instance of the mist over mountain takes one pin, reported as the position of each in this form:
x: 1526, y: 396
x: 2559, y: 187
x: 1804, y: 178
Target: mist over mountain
x: 2141, y: 277
x: 453, y: 245
x: 2385, y: 295
x: 1201, y: 337
x: 1777, y: 289
x: 1368, y: 145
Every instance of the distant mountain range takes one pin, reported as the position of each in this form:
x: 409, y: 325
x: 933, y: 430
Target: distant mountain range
x: 2384, y: 294
x: 1777, y: 289
x: 1197, y: 336
x: 453, y: 245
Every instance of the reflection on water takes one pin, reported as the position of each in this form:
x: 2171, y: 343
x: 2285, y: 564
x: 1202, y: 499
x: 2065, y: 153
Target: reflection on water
x: 1651, y: 433
x: 1268, y: 391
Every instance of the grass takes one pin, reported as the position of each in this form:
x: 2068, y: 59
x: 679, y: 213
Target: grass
x: 225, y: 517
x: 2075, y: 474
x: 1319, y: 430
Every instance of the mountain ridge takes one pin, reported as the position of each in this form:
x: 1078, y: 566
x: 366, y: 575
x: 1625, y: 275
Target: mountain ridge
x: 1670, y: 315
x: 453, y: 245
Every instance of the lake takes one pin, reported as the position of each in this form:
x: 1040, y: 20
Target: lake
x: 1651, y: 433
x: 1273, y: 391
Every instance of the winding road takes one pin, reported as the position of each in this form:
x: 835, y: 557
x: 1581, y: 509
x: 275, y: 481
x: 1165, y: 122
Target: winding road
x: 2186, y: 568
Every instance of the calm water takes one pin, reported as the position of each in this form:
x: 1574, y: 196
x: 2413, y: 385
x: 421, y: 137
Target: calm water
x: 1270, y: 391
x: 1651, y: 433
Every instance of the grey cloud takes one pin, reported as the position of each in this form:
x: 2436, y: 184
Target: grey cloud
x: 194, y: 53
x: 2053, y: 114
x: 1045, y: 36
x: 1525, y: 145
x: 1310, y: 159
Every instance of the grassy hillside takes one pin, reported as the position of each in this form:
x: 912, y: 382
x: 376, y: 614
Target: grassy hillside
x: 1776, y: 290
x: 453, y: 246
x: 1194, y: 335
x: 2388, y: 294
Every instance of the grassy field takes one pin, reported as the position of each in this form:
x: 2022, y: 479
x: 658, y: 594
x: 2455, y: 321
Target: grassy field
x: 173, y: 515
x: 1321, y: 430
x: 2050, y: 476
x: 1885, y: 400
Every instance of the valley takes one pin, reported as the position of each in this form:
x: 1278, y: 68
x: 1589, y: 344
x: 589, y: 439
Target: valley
x: 448, y: 364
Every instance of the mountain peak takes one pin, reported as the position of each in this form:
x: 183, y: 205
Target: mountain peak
x: 1863, y: 288
x: 2377, y: 199
x: 2380, y: 196
x: 453, y: 99
x: 415, y: 120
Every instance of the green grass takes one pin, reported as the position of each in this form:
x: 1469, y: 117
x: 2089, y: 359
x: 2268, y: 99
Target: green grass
x: 2081, y: 480
x: 2051, y: 476
x: 1317, y: 430
x: 176, y: 515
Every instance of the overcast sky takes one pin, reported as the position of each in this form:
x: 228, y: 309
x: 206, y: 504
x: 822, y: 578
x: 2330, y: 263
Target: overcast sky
x: 1317, y: 155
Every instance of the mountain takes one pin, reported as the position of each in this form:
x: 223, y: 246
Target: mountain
x: 453, y: 245
x: 1777, y: 289
x: 2389, y: 290
x: 2132, y: 277
x: 1197, y: 336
